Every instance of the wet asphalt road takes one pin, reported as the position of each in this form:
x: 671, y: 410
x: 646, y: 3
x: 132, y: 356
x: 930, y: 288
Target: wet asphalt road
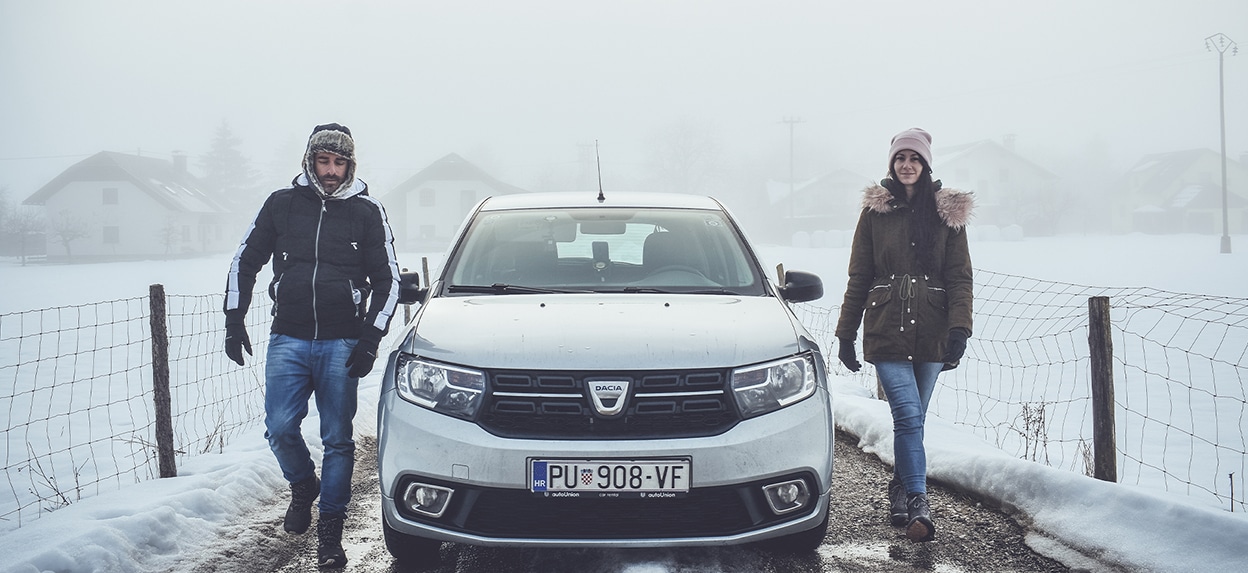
x: 970, y: 538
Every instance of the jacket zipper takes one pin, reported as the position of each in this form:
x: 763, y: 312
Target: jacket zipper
x: 316, y: 264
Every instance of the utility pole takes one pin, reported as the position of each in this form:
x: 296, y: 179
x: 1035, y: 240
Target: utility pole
x: 1222, y: 43
x: 792, y: 121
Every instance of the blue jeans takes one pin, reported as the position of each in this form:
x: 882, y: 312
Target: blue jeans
x: 909, y: 387
x: 296, y: 369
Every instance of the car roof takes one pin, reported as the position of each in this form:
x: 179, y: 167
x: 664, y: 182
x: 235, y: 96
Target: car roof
x: 590, y: 199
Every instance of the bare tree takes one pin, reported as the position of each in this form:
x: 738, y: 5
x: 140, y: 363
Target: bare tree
x: 25, y: 226
x: 169, y: 235
x: 67, y: 228
x: 686, y: 157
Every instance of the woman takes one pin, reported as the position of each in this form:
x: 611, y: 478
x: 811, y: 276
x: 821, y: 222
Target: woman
x: 910, y: 286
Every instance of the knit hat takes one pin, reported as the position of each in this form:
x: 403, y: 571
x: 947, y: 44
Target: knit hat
x: 915, y: 140
x: 330, y: 138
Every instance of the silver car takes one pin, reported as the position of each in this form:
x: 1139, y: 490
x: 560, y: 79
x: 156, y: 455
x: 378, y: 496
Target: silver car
x: 610, y: 371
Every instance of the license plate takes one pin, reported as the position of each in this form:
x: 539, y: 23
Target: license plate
x: 610, y: 478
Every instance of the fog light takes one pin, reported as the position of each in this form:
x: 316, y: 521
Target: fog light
x: 425, y: 499
x: 787, y: 496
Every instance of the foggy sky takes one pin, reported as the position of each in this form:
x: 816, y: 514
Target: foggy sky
x: 520, y: 87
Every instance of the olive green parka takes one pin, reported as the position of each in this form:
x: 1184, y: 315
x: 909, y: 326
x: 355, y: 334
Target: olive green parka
x: 906, y: 314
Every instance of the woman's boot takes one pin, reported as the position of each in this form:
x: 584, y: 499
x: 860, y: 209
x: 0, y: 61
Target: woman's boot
x: 919, y: 527
x: 898, y: 513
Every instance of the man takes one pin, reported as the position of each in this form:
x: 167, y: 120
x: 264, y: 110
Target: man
x: 334, y: 290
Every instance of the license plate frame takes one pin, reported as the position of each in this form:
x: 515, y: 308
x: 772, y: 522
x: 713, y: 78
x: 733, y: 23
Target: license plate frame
x: 649, y: 478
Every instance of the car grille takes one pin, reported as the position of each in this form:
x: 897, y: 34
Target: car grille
x: 518, y: 514
x: 558, y: 405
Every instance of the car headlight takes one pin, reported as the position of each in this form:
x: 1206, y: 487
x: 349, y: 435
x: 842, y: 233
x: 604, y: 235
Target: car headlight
x: 442, y: 388
x: 768, y: 387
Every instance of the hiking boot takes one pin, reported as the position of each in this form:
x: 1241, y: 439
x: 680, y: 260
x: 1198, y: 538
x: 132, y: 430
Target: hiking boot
x: 919, y: 527
x: 898, y: 514
x: 329, y: 553
x: 299, y: 514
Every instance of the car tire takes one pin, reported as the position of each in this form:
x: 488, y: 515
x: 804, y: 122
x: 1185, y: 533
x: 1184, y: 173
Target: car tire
x: 409, y: 550
x: 802, y: 541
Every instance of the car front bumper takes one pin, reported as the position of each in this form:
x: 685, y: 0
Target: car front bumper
x: 492, y: 505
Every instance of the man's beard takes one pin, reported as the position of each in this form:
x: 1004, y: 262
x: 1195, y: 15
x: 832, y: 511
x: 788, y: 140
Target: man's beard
x: 330, y: 184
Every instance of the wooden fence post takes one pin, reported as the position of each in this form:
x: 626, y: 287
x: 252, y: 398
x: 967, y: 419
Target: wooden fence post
x: 160, y: 383
x: 1101, y: 347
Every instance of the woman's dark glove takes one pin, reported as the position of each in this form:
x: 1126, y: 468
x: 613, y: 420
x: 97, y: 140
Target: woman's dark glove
x: 236, y: 341
x: 847, y: 355
x: 362, y: 357
x: 955, y: 347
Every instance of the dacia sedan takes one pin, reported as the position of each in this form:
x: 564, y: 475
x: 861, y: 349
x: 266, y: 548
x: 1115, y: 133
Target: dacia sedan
x: 604, y: 371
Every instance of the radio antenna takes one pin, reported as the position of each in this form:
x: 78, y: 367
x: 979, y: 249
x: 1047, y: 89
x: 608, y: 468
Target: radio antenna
x: 598, y: 159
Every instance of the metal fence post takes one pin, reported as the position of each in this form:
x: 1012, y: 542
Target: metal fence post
x: 1101, y: 347
x: 160, y: 383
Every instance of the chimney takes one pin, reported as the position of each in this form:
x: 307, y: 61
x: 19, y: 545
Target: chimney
x: 1007, y: 141
x: 179, y: 162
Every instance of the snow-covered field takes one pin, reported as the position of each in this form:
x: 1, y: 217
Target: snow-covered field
x: 155, y: 524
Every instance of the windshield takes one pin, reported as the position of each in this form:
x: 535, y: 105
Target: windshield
x: 603, y: 250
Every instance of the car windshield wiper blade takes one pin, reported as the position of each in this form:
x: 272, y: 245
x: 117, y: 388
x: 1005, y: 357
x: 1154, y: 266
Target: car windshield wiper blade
x: 504, y: 288
x: 719, y: 290
x: 640, y: 289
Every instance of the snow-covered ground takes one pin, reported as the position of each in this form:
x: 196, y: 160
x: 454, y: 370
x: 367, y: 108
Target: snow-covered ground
x: 155, y: 525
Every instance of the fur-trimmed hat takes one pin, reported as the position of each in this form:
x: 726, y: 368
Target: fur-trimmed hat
x: 914, y: 139
x: 330, y: 138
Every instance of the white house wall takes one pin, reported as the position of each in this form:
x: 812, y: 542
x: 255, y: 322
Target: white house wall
x: 138, y: 218
x: 438, y: 222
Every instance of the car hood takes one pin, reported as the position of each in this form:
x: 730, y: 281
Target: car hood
x: 603, y: 331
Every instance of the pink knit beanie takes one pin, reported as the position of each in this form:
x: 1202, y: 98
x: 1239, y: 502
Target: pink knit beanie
x: 914, y: 139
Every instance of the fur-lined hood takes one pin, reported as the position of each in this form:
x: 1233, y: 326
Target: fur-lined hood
x: 954, y: 206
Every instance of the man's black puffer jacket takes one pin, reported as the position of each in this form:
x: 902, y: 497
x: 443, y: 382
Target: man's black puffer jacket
x: 329, y: 255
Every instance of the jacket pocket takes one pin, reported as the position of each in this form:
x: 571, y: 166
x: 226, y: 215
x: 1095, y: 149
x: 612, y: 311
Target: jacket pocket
x: 875, y: 315
x: 338, y: 301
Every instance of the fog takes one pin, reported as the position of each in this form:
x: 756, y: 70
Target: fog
x: 525, y: 89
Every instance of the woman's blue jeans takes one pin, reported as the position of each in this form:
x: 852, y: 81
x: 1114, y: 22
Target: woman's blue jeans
x: 296, y: 369
x: 909, y: 387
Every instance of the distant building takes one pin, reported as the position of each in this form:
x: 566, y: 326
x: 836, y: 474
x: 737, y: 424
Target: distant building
x: 427, y: 209
x: 828, y: 202
x: 119, y: 206
x: 1009, y: 189
x: 1181, y: 192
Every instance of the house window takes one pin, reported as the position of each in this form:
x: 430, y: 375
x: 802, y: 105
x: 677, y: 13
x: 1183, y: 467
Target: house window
x: 428, y: 197
x: 110, y: 195
x: 112, y: 235
x: 467, y: 200
x: 186, y: 233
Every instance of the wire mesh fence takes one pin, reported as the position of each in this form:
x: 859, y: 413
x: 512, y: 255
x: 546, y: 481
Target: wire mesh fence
x: 1180, y: 374
x: 76, y: 388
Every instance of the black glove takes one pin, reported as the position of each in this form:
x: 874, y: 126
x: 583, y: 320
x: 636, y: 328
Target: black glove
x: 236, y: 341
x: 955, y: 347
x: 847, y: 355
x: 360, y: 362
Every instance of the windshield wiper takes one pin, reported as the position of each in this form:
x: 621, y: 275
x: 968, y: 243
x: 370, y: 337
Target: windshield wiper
x: 679, y: 290
x: 504, y: 288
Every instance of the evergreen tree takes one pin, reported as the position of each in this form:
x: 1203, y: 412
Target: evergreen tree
x: 227, y: 172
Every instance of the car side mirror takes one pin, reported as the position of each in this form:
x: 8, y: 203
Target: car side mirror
x: 410, y: 291
x: 800, y: 286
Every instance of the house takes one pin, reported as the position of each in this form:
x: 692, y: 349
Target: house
x: 1181, y: 192
x: 831, y: 201
x: 1009, y: 189
x: 119, y: 206
x: 427, y: 209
